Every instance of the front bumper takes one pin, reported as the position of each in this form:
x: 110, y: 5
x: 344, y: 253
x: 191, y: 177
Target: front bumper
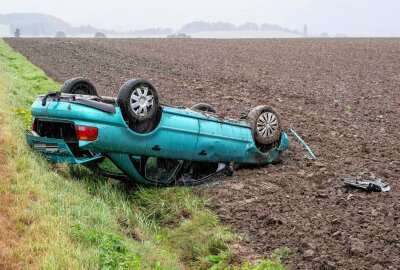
x: 57, y: 150
x: 255, y: 156
x: 272, y: 155
x: 284, y: 142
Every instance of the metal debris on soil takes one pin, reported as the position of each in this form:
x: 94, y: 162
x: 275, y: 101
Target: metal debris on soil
x: 368, y: 184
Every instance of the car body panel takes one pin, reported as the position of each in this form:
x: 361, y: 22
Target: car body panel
x: 70, y: 111
x: 175, y: 137
x: 124, y: 162
x: 219, y: 142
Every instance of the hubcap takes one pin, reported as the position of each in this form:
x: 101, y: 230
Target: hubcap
x: 141, y: 100
x: 267, y: 125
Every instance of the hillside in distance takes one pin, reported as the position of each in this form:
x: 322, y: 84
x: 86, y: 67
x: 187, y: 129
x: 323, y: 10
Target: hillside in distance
x: 34, y: 24
x: 42, y: 25
x: 201, y: 26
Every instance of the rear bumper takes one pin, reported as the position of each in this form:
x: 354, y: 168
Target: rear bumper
x: 57, y: 150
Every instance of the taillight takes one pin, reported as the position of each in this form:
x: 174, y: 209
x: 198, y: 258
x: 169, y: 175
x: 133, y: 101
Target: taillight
x: 85, y: 133
x: 33, y: 124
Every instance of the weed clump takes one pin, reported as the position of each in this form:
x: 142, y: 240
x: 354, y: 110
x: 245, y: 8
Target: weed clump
x: 114, y: 253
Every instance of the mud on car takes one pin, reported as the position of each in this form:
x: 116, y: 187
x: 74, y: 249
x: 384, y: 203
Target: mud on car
x: 150, y: 143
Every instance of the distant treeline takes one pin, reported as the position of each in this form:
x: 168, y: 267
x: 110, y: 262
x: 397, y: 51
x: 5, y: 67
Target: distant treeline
x: 34, y: 24
x: 201, y: 26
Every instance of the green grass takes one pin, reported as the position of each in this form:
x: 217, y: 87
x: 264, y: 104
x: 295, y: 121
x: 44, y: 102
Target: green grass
x: 89, y: 222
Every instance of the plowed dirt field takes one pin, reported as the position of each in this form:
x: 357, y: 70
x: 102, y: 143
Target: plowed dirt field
x: 341, y: 95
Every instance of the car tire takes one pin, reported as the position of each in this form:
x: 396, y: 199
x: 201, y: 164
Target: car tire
x: 266, y: 124
x: 138, y: 99
x: 80, y: 86
x: 204, y: 107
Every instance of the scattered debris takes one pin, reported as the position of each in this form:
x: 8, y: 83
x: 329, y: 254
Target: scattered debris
x: 303, y: 143
x: 368, y: 184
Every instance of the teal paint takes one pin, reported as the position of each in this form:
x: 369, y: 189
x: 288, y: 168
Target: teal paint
x: 303, y: 142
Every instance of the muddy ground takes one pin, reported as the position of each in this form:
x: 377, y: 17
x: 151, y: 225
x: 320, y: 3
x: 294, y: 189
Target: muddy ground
x: 341, y: 95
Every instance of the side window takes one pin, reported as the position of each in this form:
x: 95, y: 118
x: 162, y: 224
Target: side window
x: 161, y: 169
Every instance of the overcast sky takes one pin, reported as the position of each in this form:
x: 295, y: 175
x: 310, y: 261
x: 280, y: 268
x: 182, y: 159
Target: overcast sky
x: 333, y: 16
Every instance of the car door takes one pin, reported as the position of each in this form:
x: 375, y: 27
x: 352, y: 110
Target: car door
x: 221, y: 141
x: 176, y: 136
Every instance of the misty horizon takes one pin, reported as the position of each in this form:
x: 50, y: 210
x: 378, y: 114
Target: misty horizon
x: 369, y: 18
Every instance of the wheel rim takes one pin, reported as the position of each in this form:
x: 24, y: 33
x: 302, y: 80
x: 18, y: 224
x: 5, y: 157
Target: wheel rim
x: 141, y: 100
x: 267, y: 125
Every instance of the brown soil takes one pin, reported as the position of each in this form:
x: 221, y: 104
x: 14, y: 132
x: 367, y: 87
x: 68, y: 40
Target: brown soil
x: 341, y: 95
x: 9, y: 234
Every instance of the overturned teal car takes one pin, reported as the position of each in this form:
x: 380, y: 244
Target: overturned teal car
x: 149, y: 143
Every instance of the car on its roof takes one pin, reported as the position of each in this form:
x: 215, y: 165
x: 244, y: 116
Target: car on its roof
x: 150, y: 143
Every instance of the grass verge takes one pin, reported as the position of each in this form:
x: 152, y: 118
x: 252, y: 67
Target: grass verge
x: 91, y: 222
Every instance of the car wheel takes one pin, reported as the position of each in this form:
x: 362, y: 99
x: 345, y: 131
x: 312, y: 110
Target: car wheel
x: 80, y: 86
x: 266, y: 124
x: 203, y: 107
x: 138, y: 100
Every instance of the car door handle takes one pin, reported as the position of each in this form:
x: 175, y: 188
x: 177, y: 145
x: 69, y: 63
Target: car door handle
x: 202, y: 153
x: 156, y: 148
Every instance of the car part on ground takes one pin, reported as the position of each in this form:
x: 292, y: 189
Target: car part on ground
x: 79, y: 85
x: 303, y: 143
x: 173, y: 146
x: 365, y: 183
x: 204, y: 107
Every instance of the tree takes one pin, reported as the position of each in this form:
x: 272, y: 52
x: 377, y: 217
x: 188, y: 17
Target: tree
x: 250, y: 26
x: 100, y: 35
x: 180, y: 35
x: 305, y: 30
x: 61, y: 34
x: 17, y: 33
